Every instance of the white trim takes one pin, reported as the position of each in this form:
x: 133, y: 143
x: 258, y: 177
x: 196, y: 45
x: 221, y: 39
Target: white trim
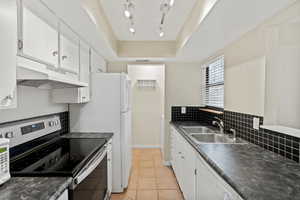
x: 283, y: 129
x: 146, y: 146
x: 167, y: 163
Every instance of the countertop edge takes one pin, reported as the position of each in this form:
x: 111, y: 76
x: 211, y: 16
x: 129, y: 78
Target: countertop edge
x: 61, y: 189
x: 98, y: 135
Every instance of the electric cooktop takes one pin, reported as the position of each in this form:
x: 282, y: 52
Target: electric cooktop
x: 58, y: 157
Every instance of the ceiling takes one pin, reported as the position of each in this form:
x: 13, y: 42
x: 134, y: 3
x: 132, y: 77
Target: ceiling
x: 147, y: 18
x: 226, y: 22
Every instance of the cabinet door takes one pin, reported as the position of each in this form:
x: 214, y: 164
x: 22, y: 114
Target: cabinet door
x: 8, y: 51
x: 188, y: 171
x: 69, y: 50
x: 206, y: 184
x: 84, y: 72
x: 40, y: 39
x: 176, y: 154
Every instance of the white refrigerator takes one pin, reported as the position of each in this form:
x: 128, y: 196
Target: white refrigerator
x: 109, y: 111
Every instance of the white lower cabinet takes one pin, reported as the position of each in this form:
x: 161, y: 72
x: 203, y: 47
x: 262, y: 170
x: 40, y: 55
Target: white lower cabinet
x: 109, y: 166
x: 183, y: 163
x: 197, y: 180
x: 210, y: 185
x: 64, y: 195
x: 207, y: 184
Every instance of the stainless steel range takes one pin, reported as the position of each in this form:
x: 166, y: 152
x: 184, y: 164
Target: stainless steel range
x: 37, y: 149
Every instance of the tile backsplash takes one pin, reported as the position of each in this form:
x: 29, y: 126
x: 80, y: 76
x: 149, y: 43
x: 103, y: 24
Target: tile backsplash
x: 279, y: 143
x: 193, y: 113
x: 243, y: 124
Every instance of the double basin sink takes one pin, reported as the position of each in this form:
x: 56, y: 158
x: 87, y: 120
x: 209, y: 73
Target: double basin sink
x: 203, y: 134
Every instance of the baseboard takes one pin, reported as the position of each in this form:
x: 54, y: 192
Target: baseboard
x: 167, y: 163
x: 146, y: 146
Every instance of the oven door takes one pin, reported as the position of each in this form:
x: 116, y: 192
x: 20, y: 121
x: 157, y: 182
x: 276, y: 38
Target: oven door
x: 91, y: 181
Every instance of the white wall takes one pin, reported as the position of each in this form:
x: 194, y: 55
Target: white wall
x: 278, y: 40
x: 32, y: 102
x: 147, y: 104
x: 245, y: 87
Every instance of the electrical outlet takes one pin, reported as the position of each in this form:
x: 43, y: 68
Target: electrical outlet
x: 183, y: 110
x: 256, y: 123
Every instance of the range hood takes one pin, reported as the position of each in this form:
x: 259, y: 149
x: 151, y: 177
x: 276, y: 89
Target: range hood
x: 45, y: 79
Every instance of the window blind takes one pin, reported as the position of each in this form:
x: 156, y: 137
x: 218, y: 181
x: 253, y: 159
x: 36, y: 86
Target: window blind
x: 212, y: 84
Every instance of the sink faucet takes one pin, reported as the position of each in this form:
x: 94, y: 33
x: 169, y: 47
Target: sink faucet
x: 220, y: 124
x: 234, y: 133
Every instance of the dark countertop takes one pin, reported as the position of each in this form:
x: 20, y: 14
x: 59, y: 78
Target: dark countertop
x: 34, y: 188
x: 253, y: 172
x: 100, y: 135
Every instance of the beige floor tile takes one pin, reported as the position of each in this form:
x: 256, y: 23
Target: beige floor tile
x: 146, y: 164
x: 167, y: 183
x: 133, y: 183
x: 134, y: 172
x: 150, y: 179
x: 158, y: 164
x: 169, y: 195
x: 147, y: 184
x: 145, y: 157
x: 147, y: 173
x: 164, y: 172
x: 147, y: 195
x: 127, y: 195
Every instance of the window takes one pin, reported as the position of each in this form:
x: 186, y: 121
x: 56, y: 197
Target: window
x: 213, y: 83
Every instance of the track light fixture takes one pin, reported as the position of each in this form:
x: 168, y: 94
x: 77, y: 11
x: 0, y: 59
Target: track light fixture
x: 165, y: 7
x: 128, y: 13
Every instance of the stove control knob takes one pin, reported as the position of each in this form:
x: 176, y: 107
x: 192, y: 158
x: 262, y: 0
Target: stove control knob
x: 9, y: 134
x: 51, y: 123
x: 1, y: 135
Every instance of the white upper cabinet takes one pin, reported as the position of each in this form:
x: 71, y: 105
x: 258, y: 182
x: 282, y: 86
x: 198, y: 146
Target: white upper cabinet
x: 39, y: 37
x: 77, y: 95
x: 69, y: 49
x: 84, y: 71
x: 8, y: 51
x: 98, y: 64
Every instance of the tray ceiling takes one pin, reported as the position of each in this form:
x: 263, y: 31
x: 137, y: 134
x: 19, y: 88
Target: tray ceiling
x: 147, y: 17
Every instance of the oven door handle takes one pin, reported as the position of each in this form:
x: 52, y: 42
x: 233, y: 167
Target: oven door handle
x: 88, y: 170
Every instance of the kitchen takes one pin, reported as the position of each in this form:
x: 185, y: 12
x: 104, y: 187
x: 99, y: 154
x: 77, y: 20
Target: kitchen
x: 160, y: 99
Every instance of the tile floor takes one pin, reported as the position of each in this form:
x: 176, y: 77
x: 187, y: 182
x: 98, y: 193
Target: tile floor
x: 150, y: 179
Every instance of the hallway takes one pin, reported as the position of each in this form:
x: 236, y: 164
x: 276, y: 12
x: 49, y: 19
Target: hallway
x: 150, y: 179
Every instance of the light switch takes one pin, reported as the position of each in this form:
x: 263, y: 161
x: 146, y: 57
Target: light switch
x: 183, y: 110
x: 256, y: 123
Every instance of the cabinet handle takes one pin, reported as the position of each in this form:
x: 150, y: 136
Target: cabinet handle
x: 7, y: 100
x: 54, y: 53
x: 64, y: 57
x: 179, y: 152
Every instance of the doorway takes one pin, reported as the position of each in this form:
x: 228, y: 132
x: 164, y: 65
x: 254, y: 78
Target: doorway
x: 148, y: 101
